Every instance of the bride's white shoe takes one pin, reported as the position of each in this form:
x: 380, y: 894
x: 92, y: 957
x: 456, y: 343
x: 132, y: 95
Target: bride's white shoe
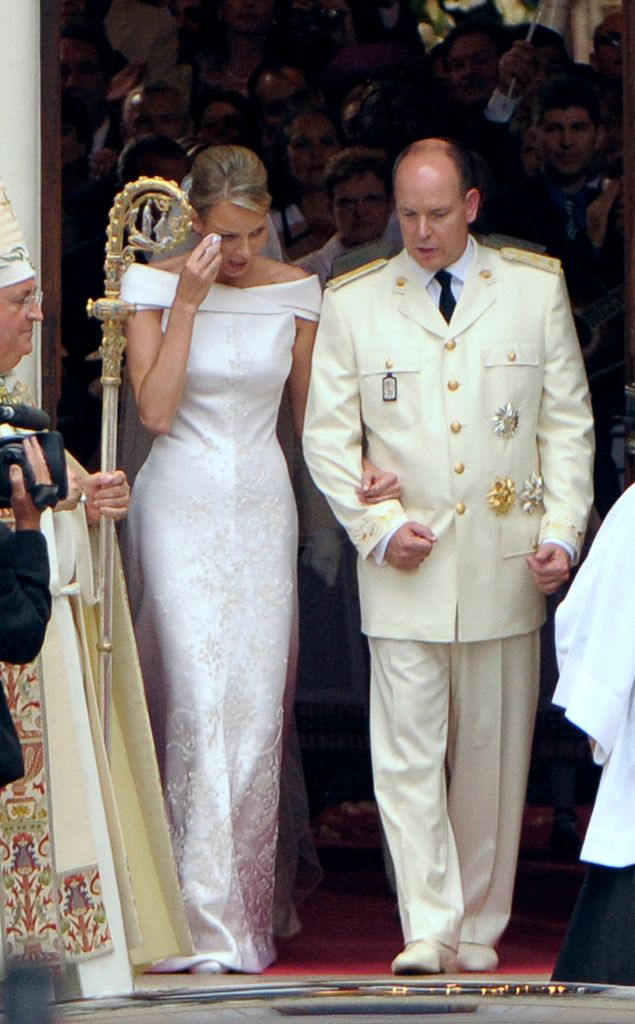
x: 207, y: 967
x: 189, y: 964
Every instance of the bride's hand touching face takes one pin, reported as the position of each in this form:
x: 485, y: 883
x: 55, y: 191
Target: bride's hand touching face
x: 200, y: 271
x: 243, y: 234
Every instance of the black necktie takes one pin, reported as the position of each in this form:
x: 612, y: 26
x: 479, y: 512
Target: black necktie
x: 447, y: 302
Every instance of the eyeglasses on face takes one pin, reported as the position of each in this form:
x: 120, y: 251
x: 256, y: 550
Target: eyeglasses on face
x: 26, y: 302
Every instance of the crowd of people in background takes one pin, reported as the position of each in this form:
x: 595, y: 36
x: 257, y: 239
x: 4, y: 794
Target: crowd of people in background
x: 291, y: 123
x: 328, y: 94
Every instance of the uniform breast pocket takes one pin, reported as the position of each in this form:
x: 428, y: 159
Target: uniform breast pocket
x: 389, y: 381
x: 519, y: 535
x: 513, y: 372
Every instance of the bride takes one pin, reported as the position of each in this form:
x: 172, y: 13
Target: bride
x: 219, y: 333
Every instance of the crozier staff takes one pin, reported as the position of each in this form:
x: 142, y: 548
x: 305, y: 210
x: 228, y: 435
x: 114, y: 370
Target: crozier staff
x: 66, y: 872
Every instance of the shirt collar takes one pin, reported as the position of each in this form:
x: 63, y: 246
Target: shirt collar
x: 459, y: 268
x: 583, y: 195
x: 99, y: 135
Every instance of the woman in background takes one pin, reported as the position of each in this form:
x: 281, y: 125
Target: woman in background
x: 304, y: 218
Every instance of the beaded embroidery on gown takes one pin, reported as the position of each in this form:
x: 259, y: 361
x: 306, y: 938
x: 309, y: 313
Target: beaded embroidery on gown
x: 212, y: 570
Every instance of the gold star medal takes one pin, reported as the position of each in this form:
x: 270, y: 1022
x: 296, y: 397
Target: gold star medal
x: 505, y: 421
x: 502, y: 496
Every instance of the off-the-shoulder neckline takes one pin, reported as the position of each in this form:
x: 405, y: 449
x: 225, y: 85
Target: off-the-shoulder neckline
x: 249, y: 288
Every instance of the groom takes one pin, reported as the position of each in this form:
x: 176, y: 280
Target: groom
x: 458, y: 368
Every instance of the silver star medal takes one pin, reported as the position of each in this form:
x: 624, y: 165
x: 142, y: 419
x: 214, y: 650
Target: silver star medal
x: 532, y: 493
x: 505, y: 421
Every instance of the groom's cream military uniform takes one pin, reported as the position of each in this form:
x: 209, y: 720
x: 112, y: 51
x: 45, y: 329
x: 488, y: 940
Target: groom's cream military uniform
x: 486, y: 422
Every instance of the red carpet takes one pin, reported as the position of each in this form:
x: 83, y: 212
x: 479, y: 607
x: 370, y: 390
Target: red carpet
x: 349, y: 924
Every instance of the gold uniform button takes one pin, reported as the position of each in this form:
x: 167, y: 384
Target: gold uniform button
x: 453, y: 385
x: 401, y: 281
x: 455, y: 427
x: 450, y: 345
x: 389, y: 364
x: 460, y: 508
x: 459, y: 467
x: 511, y: 356
x: 486, y: 274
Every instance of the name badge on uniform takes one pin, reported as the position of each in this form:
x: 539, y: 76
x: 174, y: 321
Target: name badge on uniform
x: 389, y: 388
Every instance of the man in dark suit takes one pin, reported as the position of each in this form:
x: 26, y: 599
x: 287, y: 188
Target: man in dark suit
x: 25, y: 607
x: 25, y: 600
x: 562, y: 208
x: 573, y: 209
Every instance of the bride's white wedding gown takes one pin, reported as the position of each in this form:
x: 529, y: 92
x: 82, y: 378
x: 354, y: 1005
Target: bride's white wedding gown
x: 212, y: 568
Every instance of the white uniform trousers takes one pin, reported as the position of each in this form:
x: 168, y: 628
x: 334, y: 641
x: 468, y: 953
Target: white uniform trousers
x: 451, y: 731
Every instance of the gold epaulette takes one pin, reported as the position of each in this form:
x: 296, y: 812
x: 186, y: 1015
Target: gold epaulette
x: 531, y: 259
x: 357, y: 272
x: 495, y: 240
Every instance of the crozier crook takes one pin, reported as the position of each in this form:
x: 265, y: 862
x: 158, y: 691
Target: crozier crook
x: 149, y: 215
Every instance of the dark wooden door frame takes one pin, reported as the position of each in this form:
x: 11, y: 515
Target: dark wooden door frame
x: 51, y: 203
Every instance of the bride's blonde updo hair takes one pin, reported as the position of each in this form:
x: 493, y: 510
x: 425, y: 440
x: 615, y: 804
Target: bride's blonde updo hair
x: 231, y: 174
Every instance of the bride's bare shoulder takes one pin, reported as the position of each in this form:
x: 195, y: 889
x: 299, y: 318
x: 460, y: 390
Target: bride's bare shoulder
x: 276, y: 272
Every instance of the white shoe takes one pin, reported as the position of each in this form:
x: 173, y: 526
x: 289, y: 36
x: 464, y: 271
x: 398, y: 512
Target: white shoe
x: 186, y: 964
x: 476, y: 956
x: 423, y: 957
x: 207, y: 967
x: 171, y: 965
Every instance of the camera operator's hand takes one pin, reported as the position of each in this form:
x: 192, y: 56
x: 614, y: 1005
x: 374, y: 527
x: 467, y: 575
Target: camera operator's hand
x: 108, y: 494
x: 27, y: 514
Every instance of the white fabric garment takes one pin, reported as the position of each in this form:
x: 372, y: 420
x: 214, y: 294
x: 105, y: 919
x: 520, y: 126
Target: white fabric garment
x: 327, y: 262
x: 89, y: 882
x: 595, y: 638
x: 320, y: 261
x: 213, y: 540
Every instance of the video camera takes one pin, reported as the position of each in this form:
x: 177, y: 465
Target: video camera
x: 35, y: 421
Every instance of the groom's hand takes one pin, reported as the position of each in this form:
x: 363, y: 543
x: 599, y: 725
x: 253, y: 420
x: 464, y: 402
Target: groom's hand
x: 410, y: 546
